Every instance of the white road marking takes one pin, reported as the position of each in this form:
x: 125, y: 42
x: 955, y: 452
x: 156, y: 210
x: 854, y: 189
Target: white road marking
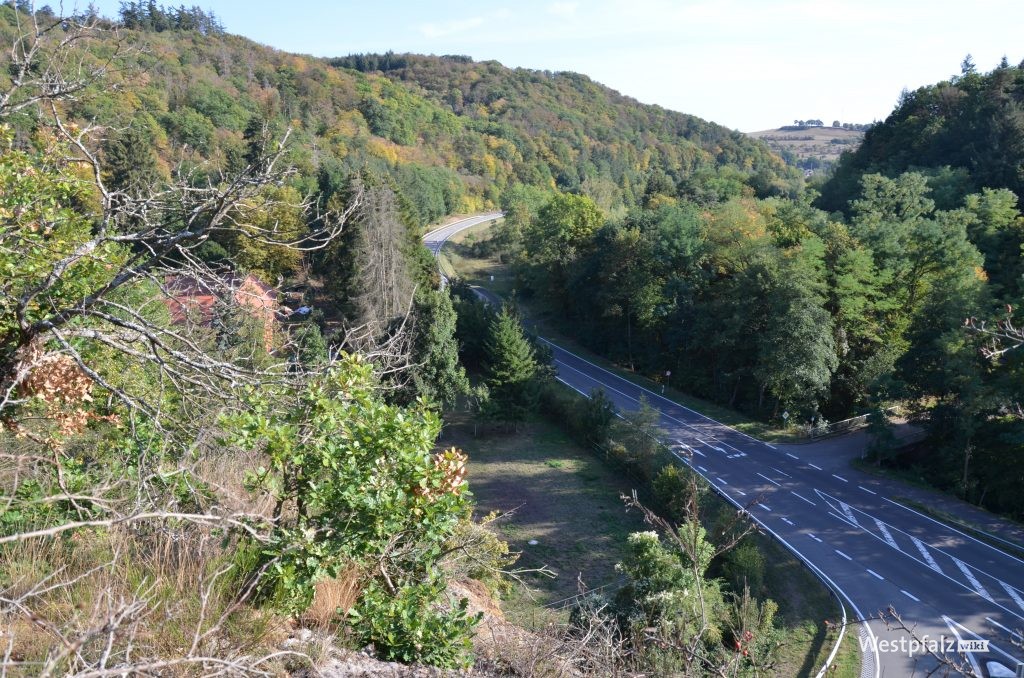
x: 741, y: 493
x: 787, y: 521
x: 780, y: 472
x: 866, y: 489
x: 876, y: 575
x: 1013, y: 594
x: 769, y: 479
x: 926, y: 554
x: 721, y: 481
x: 842, y: 554
x: 814, y: 538
x: 840, y: 478
x: 885, y: 533
x: 813, y: 466
x: 911, y: 596
x: 848, y: 512
x: 699, y: 452
x: 792, y: 456
x: 975, y: 584
x: 992, y: 621
x: 702, y: 469
x: 804, y: 498
x: 765, y: 507
x: 771, y: 446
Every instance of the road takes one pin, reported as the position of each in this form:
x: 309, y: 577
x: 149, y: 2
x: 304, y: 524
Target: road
x: 871, y: 550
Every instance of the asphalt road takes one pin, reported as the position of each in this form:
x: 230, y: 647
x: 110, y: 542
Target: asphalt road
x: 874, y: 552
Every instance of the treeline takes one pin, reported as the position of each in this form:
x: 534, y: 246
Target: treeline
x: 773, y: 306
x: 149, y: 16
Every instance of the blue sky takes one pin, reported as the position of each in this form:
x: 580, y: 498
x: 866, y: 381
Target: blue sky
x: 747, y: 64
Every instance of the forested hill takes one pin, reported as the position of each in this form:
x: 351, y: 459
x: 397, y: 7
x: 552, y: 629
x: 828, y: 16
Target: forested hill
x: 965, y: 133
x: 452, y: 141
x: 587, y: 136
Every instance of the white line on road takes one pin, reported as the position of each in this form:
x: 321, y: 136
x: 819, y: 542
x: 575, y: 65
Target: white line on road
x: 804, y: 498
x: 787, y: 521
x: 840, y: 478
x: 813, y: 466
x: 792, y: 456
x: 721, y: 481
x: 769, y: 479
x: 1013, y: 594
x: 885, y: 533
x: 700, y: 453
x: 702, y: 469
x: 911, y: 596
x: 765, y: 507
x: 782, y: 472
x: 848, y: 512
x: 842, y: 554
x: 876, y: 575
x: 741, y: 493
x: 975, y: 584
x: 926, y: 554
x: 814, y: 538
x: 992, y: 621
x: 866, y: 489
x: 771, y: 446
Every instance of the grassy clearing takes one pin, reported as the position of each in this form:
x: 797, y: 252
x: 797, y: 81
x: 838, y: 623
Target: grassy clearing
x: 562, y: 496
x: 457, y: 257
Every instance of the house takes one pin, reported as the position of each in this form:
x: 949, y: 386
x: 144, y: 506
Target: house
x: 191, y: 299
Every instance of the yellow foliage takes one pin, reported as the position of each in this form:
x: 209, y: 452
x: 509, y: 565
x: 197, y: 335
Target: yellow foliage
x: 384, y: 149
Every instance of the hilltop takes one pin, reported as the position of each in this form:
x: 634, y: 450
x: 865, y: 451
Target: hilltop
x: 810, y: 147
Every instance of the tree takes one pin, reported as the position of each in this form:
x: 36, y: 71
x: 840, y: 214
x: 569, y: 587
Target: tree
x: 562, y: 230
x: 130, y: 163
x: 510, y: 370
x: 436, y: 372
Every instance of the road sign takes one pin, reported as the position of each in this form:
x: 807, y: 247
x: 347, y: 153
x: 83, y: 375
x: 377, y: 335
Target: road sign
x: 785, y: 415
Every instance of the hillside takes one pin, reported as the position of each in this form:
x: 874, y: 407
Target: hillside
x: 972, y: 124
x: 589, y: 137
x: 814, y: 148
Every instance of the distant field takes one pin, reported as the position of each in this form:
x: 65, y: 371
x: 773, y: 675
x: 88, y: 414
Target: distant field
x: 823, y: 143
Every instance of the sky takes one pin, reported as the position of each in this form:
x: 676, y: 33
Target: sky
x: 746, y: 64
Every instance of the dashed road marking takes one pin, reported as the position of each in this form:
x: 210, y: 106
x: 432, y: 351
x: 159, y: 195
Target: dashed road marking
x: 771, y: 446
x: 867, y: 490
x: 699, y: 452
x: 975, y: 584
x: 787, y: 521
x: 780, y: 472
x: 840, y: 478
x: 911, y: 596
x: 804, y: 498
x: 702, y: 469
x: 741, y: 493
x: 926, y: 554
x: 792, y: 456
x: 814, y: 538
x: 842, y: 554
x: 886, y: 534
x: 721, y: 481
x: 814, y: 466
x: 765, y: 507
x: 875, y: 575
x: 769, y: 480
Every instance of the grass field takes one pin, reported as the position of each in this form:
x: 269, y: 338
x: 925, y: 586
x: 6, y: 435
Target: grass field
x: 824, y: 143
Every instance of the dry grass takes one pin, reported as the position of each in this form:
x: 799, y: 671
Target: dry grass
x: 333, y: 598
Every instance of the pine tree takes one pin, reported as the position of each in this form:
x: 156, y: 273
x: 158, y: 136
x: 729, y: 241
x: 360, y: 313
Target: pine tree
x: 510, y: 368
x: 437, y: 373
x: 130, y: 162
